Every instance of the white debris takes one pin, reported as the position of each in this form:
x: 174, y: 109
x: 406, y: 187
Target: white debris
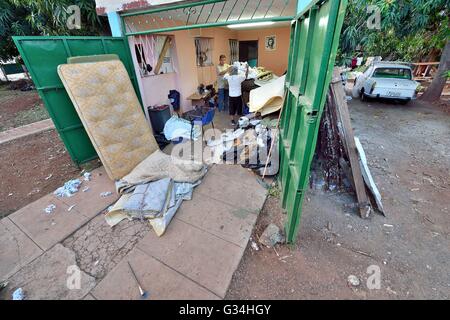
x: 50, y: 208
x: 10, y: 194
x: 71, y: 207
x: 49, y: 176
x: 254, y: 246
x: 388, y: 225
x: 87, y: 176
x: 85, y: 189
x: 69, y: 188
x: 105, y: 194
x: 18, y: 294
x: 353, y: 280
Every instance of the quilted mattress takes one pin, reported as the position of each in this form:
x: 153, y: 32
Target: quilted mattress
x: 109, y: 109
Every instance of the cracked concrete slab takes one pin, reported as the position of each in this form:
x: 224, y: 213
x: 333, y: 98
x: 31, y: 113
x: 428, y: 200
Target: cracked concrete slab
x: 47, y: 229
x: 47, y: 277
x: 98, y: 247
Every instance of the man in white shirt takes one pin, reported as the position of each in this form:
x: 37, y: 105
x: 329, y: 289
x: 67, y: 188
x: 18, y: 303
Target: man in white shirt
x: 222, y: 68
x: 235, y: 93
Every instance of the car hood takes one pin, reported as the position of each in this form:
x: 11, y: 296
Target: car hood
x: 393, y: 83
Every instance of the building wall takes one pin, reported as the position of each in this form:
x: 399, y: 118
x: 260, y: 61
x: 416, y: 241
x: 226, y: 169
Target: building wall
x: 188, y: 76
x: 276, y: 60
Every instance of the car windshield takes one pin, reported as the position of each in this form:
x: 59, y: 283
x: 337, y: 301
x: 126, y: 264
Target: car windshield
x: 397, y: 73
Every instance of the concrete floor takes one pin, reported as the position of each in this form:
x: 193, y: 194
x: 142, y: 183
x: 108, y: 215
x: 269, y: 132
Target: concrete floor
x: 195, y: 259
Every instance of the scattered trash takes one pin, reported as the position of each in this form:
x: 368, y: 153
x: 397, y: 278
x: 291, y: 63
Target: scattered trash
x: 49, y: 176
x: 105, y: 194
x: 271, y: 236
x: 390, y: 290
x: 415, y: 189
x: 141, y: 291
x: 87, y: 176
x: 69, y: 188
x: 96, y: 262
x: 49, y: 209
x: 10, y: 194
x: 353, y: 280
x: 349, y: 98
x: 71, y: 207
x: 254, y: 245
x: 284, y: 257
x: 3, y: 284
x: 388, y: 225
x: 243, y: 122
x: 85, y: 189
x: 18, y: 294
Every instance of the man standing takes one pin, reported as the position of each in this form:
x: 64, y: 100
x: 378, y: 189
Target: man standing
x: 235, y: 101
x: 222, y: 85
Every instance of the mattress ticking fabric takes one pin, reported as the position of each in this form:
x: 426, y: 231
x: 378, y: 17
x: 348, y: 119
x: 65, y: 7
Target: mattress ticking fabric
x: 109, y: 109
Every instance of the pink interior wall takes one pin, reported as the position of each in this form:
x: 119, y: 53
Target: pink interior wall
x: 276, y: 60
x: 189, y: 76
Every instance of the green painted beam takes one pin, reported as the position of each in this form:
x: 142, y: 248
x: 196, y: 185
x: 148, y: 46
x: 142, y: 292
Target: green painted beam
x: 209, y: 25
x: 169, y: 8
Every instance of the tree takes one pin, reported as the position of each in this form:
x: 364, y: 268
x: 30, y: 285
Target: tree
x: 434, y: 91
x: 411, y: 30
x: 44, y: 17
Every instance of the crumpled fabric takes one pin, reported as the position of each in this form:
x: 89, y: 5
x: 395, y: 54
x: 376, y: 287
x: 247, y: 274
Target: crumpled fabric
x: 159, y: 165
x: 155, y: 189
x: 157, y: 201
x: 177, y: 127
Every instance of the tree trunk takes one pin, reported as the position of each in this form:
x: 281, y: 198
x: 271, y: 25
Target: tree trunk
x: 434, y: 91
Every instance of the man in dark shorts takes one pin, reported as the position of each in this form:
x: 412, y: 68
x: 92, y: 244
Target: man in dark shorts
x: 235, y: 93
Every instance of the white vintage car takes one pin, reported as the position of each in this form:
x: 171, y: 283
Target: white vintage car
x: 386, y: 80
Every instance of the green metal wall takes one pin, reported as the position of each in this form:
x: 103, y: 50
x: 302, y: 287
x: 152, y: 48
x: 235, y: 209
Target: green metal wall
x: 42, y: 55
x: 314, y: 41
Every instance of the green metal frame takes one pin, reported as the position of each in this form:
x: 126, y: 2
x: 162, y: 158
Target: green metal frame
x: 314, y: 41
x: 42, y: 55
x: 207, y: 25
x: 196, y: 25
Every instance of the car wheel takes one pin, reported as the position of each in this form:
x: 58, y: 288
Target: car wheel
x: 362, y: 96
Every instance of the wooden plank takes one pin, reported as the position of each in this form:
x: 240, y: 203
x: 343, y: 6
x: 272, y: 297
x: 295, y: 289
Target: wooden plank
x: 368, y: 176
x: 344, y: 116
x: 164, y: 49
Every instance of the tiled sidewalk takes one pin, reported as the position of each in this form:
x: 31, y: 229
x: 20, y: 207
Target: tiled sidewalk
x: 194, y: 259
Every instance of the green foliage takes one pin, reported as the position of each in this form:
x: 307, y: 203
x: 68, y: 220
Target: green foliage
x: 411, y: 30
x: 42, y: 17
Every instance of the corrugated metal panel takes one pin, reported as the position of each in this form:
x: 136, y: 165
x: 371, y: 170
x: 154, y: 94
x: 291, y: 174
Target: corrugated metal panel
x: 314, y: 41
x: 42, y: 55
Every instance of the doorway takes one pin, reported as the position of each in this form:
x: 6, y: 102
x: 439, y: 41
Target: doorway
x: 248, y: 51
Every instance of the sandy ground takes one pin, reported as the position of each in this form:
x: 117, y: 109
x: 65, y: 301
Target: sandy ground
x: 408, y: 149
x: 33, y: 166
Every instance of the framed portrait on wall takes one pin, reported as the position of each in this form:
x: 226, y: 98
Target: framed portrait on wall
x: 271, y: 43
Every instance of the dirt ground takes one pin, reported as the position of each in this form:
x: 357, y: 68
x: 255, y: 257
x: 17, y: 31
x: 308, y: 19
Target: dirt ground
x: 32, y: 167
x: 18, y: 108
x: 408, y: 150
